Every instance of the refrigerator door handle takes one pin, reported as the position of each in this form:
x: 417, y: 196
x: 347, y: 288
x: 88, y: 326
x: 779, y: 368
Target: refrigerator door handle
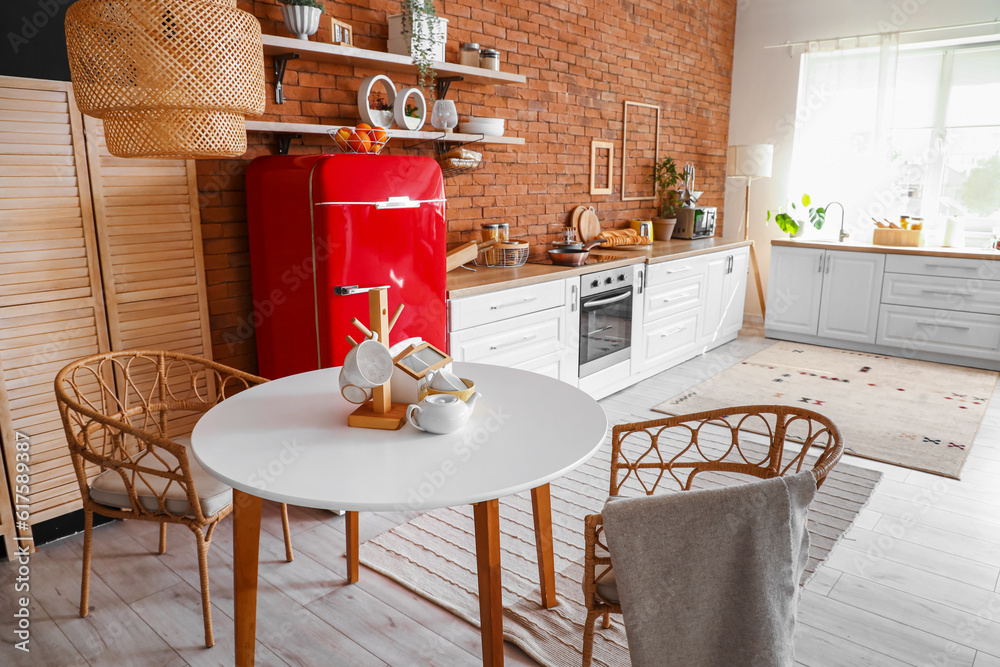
x: 398, y: 202
x: 348, y: 290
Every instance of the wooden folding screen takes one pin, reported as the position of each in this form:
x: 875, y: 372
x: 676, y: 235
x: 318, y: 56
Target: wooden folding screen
x: 71, y: 213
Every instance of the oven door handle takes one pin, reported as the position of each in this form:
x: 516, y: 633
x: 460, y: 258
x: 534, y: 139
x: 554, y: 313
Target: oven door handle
x: 604, y: 302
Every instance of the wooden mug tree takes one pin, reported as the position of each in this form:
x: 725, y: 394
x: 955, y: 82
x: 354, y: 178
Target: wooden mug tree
x: 380, y: 412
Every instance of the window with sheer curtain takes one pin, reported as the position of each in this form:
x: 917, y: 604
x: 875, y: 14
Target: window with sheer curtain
x: 894, y: 130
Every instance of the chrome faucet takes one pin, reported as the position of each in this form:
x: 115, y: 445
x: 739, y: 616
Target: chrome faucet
x: 843, y: 234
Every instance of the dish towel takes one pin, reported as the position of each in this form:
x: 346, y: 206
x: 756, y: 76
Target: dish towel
x: 709, y: 578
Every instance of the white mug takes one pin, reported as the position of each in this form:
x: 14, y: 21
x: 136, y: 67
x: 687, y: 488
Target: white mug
x: 366, y: 366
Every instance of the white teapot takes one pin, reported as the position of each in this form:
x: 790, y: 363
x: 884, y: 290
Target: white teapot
x: 441, y: 413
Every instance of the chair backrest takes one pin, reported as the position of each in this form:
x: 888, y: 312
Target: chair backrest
x: 124, y: 410
x: 760, y: 441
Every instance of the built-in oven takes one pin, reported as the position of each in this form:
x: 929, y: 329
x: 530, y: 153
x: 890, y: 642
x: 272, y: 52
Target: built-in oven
x: 605, y: 319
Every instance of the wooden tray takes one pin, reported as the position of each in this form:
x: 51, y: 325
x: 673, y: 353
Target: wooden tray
x: 909, y: 238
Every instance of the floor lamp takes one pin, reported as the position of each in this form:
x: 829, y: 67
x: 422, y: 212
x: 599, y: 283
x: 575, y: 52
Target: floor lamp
x: 750, y: 162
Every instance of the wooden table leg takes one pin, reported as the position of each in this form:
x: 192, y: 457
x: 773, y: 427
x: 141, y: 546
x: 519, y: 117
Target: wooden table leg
x: 541, y: 508
x: 246, y: 549
x: 487, y: 516
x: 352, y: 547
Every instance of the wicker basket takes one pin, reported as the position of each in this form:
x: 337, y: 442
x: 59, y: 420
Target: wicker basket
x: 171, y: 78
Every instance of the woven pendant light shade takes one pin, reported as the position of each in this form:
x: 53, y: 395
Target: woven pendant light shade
x: 171, y: 78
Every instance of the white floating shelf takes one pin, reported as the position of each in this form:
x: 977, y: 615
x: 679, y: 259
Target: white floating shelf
x: 310, y: 128
x: 378, y: 60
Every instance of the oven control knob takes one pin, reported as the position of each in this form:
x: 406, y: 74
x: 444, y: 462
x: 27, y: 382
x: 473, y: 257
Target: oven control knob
x: 621, y: 277
x: 607, y: 281
x: 595, y: 283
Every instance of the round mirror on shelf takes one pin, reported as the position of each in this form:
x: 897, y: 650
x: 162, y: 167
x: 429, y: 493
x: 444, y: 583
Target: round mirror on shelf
x: 376, y: 106
x: 410, y: 109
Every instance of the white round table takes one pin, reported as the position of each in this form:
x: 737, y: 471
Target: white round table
x: 288, y: 441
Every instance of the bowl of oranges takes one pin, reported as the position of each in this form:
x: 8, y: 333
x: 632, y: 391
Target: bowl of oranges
x: 361, y: 139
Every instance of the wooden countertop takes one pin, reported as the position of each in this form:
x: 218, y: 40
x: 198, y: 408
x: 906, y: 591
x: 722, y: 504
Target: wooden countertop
x: 462, y: 283
x: 962, y: 253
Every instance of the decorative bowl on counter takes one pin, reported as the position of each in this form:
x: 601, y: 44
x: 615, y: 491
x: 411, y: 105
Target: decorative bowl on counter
x: 492, y: 127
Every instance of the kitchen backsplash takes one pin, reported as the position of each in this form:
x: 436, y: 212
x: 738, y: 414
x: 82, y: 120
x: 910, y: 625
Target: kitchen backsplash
x: 582, y: 60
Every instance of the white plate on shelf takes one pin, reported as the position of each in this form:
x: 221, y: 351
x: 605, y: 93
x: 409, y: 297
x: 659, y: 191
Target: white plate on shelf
x: 479, y: 127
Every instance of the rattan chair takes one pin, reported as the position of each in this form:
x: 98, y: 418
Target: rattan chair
x: 720, y: 443
x: 124, y: 415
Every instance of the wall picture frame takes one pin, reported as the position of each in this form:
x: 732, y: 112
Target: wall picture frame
x: 341, y: 33
x: 626, y: 146
x: 607, y: 187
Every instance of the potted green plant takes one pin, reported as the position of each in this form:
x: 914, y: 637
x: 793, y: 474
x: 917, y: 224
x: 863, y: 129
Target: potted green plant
x: 301, y: 16
x: 420, y: 33
x: 794, y: 218
x: 666, y: 178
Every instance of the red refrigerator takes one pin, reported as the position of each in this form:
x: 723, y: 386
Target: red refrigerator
x: 320, y: 224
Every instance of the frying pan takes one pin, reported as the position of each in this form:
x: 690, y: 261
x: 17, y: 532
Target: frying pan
x: 575, y: 257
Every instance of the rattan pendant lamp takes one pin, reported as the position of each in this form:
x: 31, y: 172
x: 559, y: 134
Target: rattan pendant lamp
x: 170, y: 78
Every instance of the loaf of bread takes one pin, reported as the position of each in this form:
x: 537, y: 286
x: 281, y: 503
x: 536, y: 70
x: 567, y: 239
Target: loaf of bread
x: 463, y: 154
x: 459, y: 163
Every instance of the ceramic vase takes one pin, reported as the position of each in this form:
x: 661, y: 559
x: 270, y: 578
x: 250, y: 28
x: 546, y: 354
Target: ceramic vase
x: 301, y: 21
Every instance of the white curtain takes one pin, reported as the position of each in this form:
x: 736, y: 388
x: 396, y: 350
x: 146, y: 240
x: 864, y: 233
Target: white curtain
x: 892, y: 130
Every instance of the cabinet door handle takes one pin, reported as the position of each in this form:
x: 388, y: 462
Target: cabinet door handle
x: 642, y: 280
x: 572, y: 298
x: 513, y: 342
x: 514, y: 303
x: 679, y: 270
x: 672, y: 332
x: 948, y: 266
x: 944, y: 292
x: 821, y: 258
x: 943, y: 324
x: 827, y: 264
x: 678, y: 298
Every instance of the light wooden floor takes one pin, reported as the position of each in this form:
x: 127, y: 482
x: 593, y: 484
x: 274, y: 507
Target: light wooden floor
x: 915, y: 582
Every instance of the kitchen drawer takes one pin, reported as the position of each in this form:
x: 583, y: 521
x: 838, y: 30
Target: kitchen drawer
x: 674, y: 297
x: 513, y: 342
x: 953, y: 267
x: 940, y: 331
x: 674, y: 270
x: 474, y: 311
x: 670, y: 338
x: 969, y: 295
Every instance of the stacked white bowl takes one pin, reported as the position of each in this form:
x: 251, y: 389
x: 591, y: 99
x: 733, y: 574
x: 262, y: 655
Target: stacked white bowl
x: 491, y: 127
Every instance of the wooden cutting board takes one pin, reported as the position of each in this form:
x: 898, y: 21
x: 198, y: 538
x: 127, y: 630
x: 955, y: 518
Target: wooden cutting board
x: 574, y: 219
x: 589, y: 226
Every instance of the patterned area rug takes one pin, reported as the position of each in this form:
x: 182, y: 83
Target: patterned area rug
x: 434, y: 556
x: 915, y: 414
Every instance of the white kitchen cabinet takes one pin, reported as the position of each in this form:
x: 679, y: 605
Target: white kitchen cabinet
x: 832, y: 294
x: 541, y: 341
x: 794, y: 290
x: 725, y: 287
x: 852, y: 287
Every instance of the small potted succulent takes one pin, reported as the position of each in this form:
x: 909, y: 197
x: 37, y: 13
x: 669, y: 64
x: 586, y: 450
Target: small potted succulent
x: 380, y: 110
x: 666, y: 178
x: 301, y: 16
x: 795, y: 218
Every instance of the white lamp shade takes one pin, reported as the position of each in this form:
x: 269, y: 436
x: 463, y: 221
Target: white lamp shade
x: 750, y: 161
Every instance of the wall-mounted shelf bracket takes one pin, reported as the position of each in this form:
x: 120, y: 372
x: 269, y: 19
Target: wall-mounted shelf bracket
x: 444, y: 82
x: 285, y: 141
x: 280, y: 61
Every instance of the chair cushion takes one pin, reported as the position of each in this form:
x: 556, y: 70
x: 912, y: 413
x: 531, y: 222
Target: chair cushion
x: 607, y: 587
x: 109, y: 489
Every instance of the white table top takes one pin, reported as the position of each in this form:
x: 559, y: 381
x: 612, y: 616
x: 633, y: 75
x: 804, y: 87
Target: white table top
x: 288, y: 441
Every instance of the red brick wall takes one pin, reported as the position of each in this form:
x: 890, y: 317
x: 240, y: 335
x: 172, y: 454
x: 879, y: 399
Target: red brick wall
x: 582, y: 60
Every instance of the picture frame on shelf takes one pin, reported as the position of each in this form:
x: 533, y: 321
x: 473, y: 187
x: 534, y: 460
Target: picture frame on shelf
x: 341, y: 34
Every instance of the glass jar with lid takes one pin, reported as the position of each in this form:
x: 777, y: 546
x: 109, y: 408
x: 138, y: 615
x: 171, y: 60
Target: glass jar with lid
x: 468, y: 54
x: 489, y: 59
